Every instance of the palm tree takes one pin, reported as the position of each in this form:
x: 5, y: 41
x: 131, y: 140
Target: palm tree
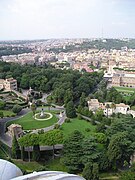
x: 107, y: 107
x: 113, y: 106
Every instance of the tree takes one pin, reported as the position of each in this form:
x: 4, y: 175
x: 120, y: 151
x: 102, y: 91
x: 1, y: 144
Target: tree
x: 68, y: 96
x: 107, y: 107
x: 87, y: 171
x: 99, y: 115
x: 1, y: 114
x: 113, y: 106
x: 73, y: 152
x: 91, y: 171
x: 33, y: 108
x: 70, y: 110
x: 22, y: 153
x: 95, y: 172
x: 90, y: 152
x: 120, y: 149
x: 16, y: 108
x: 36, y: 152
x: 15, y: 148
x: 25, y: 141
x: 83, y: 100
x: 51, y: 138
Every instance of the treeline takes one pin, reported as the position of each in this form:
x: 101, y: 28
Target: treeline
x: 46, y: 79
x: 108, y: 149
x: 99, y: 44
x: 9, y: 50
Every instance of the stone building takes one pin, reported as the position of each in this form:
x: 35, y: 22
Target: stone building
x: 15, y: 130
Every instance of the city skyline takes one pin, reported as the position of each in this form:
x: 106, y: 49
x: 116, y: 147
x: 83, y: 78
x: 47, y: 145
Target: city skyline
x: 44, y: 19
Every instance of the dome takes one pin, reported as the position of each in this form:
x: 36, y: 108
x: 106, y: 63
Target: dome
x: 8, y: 170
x: 49, y: 175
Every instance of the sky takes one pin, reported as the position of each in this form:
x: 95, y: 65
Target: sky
x: 44, y: 19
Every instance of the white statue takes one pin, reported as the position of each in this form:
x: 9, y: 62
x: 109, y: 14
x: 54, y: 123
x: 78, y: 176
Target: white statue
x: 42, y: 113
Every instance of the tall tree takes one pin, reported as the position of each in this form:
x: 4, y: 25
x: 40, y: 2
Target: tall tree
x: 68, y: 96
x: 90, y: 152
x: 95, y: 172
x: 83, y: 100
x: 87, y: 171
x: 107, y: 107
x: 120, y: 149
x: 73, y: 152
x: 33, y: 108
x: 15, y: 148
x: 70, y: 110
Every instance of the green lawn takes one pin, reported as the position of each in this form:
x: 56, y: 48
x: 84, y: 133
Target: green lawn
x: 125, y: 89
x: 27, y: 166
x: 133, y: 108
x: 29, y: 123
x: 7, y: 113
x: 52, y: 165
x: 109, y: 176
x: 77, y: 124
x: 55, y: 165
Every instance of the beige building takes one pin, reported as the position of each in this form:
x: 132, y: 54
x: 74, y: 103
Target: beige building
x: 15, y: 130
x: 94, y: 105
x: 8, y: 84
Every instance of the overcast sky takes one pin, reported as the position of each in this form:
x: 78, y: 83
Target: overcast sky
x: 41, y: 19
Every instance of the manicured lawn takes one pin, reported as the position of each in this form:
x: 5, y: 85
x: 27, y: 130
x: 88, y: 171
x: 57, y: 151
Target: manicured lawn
x: 7, y: 113
x: 77, y: 124
x: 125, y: 89
x: 29, y: 123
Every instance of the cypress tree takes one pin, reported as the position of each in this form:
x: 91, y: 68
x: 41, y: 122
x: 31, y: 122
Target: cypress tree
x: 15, y: 148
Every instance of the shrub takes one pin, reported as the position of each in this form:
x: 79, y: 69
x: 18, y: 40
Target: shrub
x: 41, y: 131
x: 56, y: 126
x: 16, y: 109
x: 79, y: 116
x: 67, y: 120
x: 87, y: 129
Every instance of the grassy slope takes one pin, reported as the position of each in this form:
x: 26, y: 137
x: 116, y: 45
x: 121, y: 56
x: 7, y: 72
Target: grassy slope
x: 28, y: 166
x: 29, y: 123
x: 77, y: 124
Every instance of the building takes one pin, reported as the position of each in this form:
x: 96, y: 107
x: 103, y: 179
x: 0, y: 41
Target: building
x: 94, y: 105
x: 8, y: 170
x: 8, y: 84
x: 15, y: 130
x: 108, y: 107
